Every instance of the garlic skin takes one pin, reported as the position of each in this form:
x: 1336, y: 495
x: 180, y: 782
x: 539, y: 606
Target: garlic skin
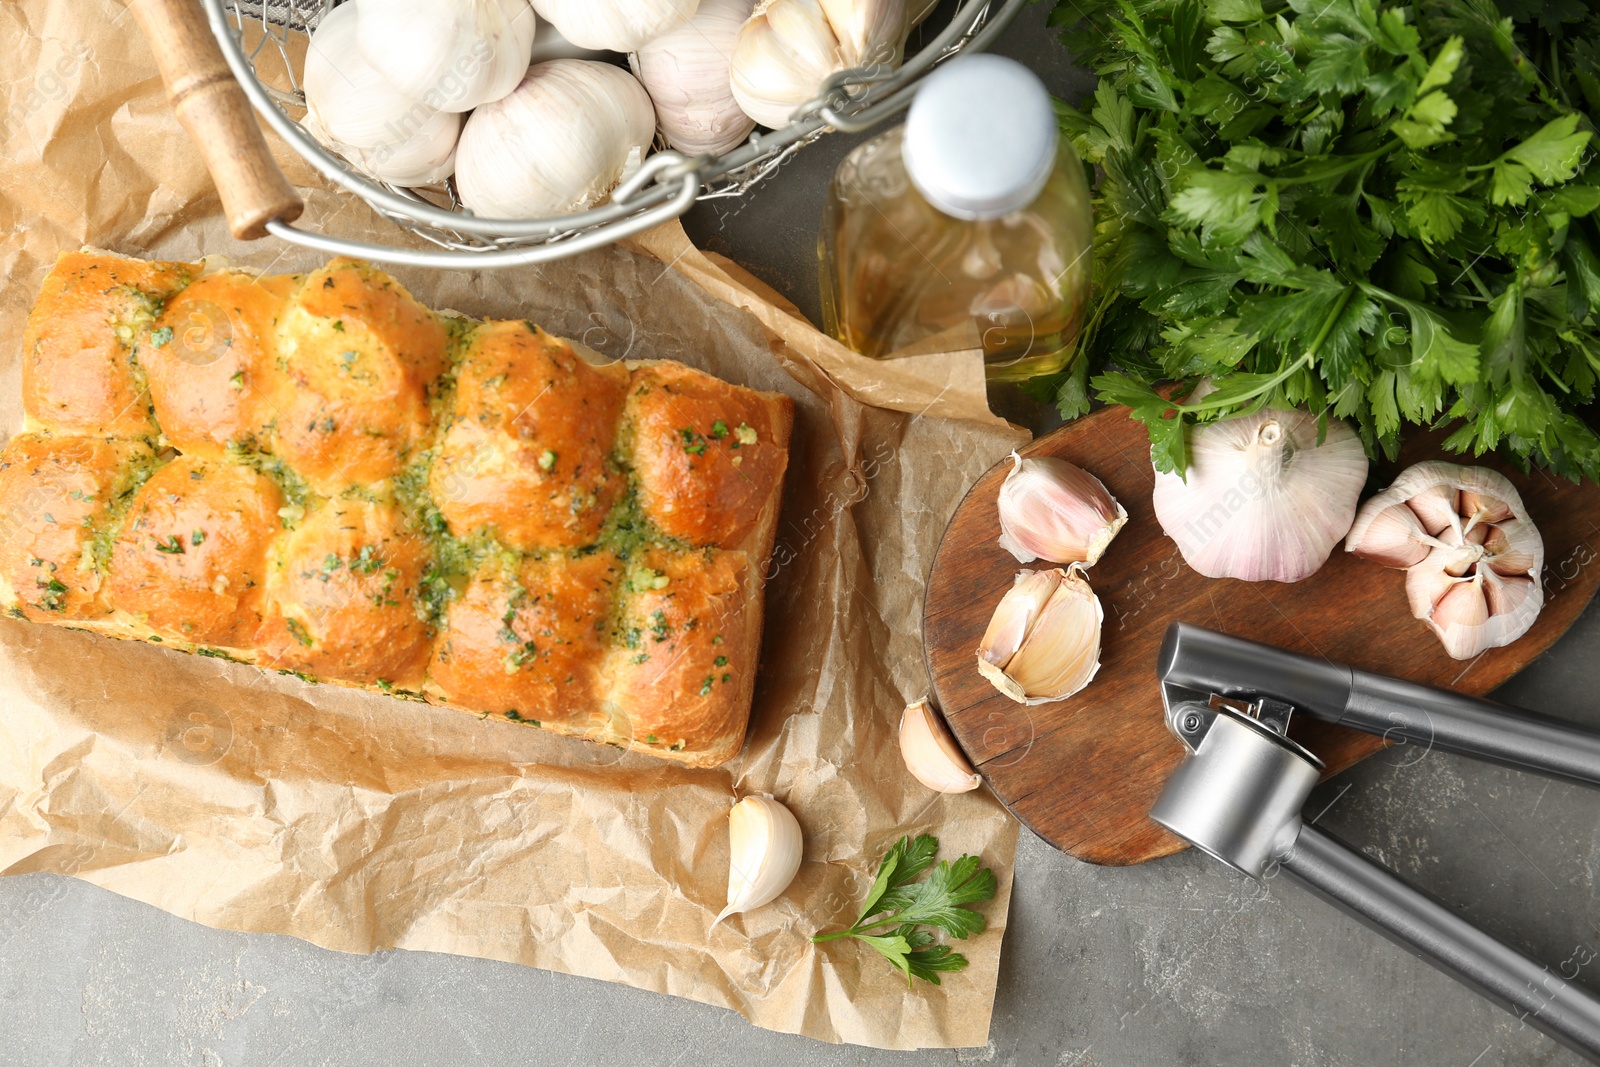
x: 931, y: 753
x: 351, y: 108
x: 874, y: 31
x: 615, y: 25
x: 1043, y: 641
x: 765, y: 845
x: 1473, y: 558
x: 1054, y: 510
x: 563, y: 140
x: 686, y: 73
x: 451, y: 54
x: 1263, y: 501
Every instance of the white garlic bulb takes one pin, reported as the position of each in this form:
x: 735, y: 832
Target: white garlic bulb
x: 451, y: 54
x: 1262, y: 500
x: 1051, y: 509
x: 765, y: 846
x: 1043, y: 641
x: 569, y: 133
x: 351, y: 108
x: 931, y: 754
x: 429, y: 156
x: 1473, y: 557
x: 615, y: 25
x: 790, y: 47
x: 686, y: 74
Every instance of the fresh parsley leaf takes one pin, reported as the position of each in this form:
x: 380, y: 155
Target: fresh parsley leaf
x: 941, y: 901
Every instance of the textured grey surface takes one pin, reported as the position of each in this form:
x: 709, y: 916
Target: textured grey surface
x: 1176, y: 963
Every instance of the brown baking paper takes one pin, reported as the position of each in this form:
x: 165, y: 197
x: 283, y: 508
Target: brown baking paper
x: 249, y: 801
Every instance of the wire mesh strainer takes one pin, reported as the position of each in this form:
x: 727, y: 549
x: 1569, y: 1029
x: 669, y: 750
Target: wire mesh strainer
x: 262, y: 42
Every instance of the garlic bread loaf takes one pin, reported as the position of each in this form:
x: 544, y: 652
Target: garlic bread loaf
x: 316, y: 474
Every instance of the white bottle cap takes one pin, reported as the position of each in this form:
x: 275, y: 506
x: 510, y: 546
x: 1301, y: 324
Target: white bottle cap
x: 980, y: 140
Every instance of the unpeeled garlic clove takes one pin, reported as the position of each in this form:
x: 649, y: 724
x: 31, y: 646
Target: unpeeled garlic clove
x: 931, y: 753
x: 782, y: 56
x: 1478, y: 587
x: 1043, y: 641
x: 1435, y: 507
x: 765, y: 846
x: 1053, y: 510
x: 1392, y: 536
x: 1263, y: 500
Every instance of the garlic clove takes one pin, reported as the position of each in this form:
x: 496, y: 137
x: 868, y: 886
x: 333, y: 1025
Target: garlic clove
x: 931, y: 753
x: 686, y: 73
x: 869, y: 31
x: 1392, y: 536
x: 1506, y: 596
x: 1059, y: 648
x: 1459, y: 619
x: 1051, y: 509
x: 615, y: 25
x: 1435, y: 507
x: 523, y: 156
x: 1263, y: 500
x: 1480, y: 507
x: 1513, y: 546
x: 782, y: 56
x: 765, y: 845
x: 1019, y: 609
x: 1428, y: 581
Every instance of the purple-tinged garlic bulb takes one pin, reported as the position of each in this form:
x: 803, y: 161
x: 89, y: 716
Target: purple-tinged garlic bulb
x: 1471, y: 554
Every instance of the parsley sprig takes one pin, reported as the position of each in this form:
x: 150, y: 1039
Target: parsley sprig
x: 1385, y: 212
x: 897, y: 906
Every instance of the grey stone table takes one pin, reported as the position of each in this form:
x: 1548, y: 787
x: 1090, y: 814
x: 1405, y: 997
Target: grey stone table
x: 1177, y: 962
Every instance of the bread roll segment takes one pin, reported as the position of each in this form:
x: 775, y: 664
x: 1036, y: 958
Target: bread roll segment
x: 316, y: 473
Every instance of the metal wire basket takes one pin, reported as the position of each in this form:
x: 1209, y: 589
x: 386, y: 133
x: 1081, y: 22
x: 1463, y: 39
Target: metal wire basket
x: 254, y: 34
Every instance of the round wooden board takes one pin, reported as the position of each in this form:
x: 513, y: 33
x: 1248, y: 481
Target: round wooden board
x: 1082, y: 773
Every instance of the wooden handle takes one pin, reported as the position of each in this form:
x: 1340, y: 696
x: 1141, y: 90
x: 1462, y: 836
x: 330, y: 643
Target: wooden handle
x: 217, y: 115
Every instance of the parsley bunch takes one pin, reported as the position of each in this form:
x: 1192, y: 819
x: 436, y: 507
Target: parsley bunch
x: 902, y: 905
x: 1382, y: 212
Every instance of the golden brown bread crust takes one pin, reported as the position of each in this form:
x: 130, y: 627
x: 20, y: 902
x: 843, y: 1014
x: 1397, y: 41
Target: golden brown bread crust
x: 528, y: 448
x: 316, y: 473
x: 78, y: 365
x: 706, y: 453
x: 209, y: 357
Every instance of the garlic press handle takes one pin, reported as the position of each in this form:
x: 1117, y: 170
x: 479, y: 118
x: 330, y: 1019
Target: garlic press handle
x: 1196, y: 659
x: 1540, y: 996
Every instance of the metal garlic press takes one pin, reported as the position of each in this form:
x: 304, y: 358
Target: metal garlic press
x: 1237, y: 795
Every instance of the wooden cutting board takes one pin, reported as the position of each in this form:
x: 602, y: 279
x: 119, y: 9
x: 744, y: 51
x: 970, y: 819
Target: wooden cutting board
x: 1083, y: 772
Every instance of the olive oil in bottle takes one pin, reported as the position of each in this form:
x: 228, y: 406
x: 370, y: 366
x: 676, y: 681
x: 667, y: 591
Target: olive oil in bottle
x: 967, y: 228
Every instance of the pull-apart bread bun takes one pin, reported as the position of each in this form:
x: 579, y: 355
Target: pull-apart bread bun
x: 317, y: 474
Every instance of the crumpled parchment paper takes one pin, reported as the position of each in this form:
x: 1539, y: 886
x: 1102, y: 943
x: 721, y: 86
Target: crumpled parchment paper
x: 248, y: 801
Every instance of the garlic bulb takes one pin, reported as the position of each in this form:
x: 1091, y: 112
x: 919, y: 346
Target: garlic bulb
x: 429, y: 156
x: 931, y: 754
x: 351, y: 108
x: 1472, y: 556
x: 569, y: 133
x: 615, y: 25
x: 1051, y: 509
x: 686, y: 74
x: 451, y: 54
x: 1043, y: 641
x: 790, y: 47
x: 1262, y: 499
x: 764, y: 853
